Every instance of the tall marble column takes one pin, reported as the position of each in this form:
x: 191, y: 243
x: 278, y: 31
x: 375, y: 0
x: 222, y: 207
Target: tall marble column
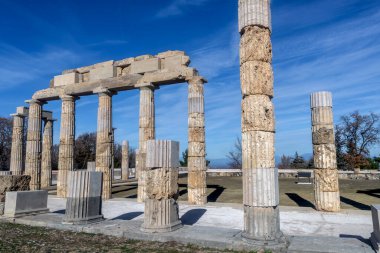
x: 16, y: 166
x: 104, y: 141
x: 146, y: 132
x: 125, y: 160
x: 47, y: 146
x: 66, y: 143
x: 260, y: 177
x: 197, y: 185
x: 33, y: 144
x: 326, y: 185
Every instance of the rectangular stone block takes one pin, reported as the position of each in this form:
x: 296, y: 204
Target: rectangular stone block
x: 175, y: 62
x: 258, y: 149
x: 66, y: 79
x: 24, y: 203
x: 260, y: 187
x: 196, y: 164
x: 323, y: 134
x: 197, y: 149
x: 257, y: 114
x: 102, y: 73
x: 375, y: 235
x: 197, y: 134
x: 197, y: 179
x: 255, y: 45
x: 148, y: 65
x: 256, y: 78
x: 324, y: 156
x: 22, y: 110
x: 162, y: 154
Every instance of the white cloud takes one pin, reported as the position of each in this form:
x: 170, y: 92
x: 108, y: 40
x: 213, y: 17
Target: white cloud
x: 177, y: 7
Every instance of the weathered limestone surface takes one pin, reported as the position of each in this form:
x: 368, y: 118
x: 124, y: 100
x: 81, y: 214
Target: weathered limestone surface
x: 161, y: 208
x: 84, y: 198
x: 91, y: 166
x: 125, y: 160
x: 104, y: 141
x: 22, y: 203
x: 12, y: 183
x: 197, y: 184
x: 146, y: 132
x: 16, y: 165
x: 66, y: 145
x: 375, y: 235
x: 47, y: 146
x: 260, y: 178
x: 33, y: 144
x: 326, y: 184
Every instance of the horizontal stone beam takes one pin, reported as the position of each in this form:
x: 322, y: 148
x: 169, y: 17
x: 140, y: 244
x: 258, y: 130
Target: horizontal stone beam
x: 23, y: 111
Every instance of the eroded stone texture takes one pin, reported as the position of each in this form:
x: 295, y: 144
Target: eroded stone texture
x: 161, y: 208
x: 196, y: 143
x: 125, y: 160
x: 66, y: 144
x: 47, y: 145
x: 260, y: 179
x: 104, y: 141
x: 16, y: 165
x: 146, y: 132
x: 33, y: 144
x: 326, y: 185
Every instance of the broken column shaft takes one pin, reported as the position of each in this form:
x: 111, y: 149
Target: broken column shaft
x: 104, y: 141
x: 146, y: 132
x: 16, y: 166
x: 161, y: 208
x: 326, y: 185
x: 33, y: 144
x: 47, y: 146
x: 66, y: 144
x: 260, y: 177
x: 125, y: 160
x: 196, y: 162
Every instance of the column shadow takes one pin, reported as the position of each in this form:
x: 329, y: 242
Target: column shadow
x: 124, y: 190
x: 183, y: 191
x: 128, y: 216
x: 299, y: 200
x: 354, y: 203
x: 358, y: 237
x: 213, y: 196
x: 370, y: 192
x: 192, y: 216
x: 62, y: 211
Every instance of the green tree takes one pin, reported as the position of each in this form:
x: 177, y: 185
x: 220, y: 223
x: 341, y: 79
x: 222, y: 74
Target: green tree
x: 185, y: 156
x: 298, y: 162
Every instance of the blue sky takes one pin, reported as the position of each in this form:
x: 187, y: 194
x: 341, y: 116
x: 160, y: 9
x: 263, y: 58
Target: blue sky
x: 317, y: 44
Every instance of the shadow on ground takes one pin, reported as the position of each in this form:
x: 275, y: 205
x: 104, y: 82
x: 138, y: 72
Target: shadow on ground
x: 354, y: 203
x: 373, y: 193
x: 128, y: 216
x: 299, y: 200
x: 192, y: 216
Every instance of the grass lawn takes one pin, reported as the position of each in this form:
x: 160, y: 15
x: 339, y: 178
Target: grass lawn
x: 355, y: 194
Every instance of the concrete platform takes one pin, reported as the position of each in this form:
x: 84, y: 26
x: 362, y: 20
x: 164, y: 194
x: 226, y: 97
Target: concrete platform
x: 219, y: 226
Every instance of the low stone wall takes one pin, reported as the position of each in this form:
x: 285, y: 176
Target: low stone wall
x: 363, y: 175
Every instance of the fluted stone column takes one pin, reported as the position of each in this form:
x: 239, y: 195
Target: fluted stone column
x: 47, y: 146
x: 33, y: 144
x: 104, y: 141
x: 16, y: 166
x: 66, y: 144
x: 326, y: 185
x: 161, y: 208
x: 196, y: 162
x: 146, y: 132
x: 125, y: 160
x: 260, y: 177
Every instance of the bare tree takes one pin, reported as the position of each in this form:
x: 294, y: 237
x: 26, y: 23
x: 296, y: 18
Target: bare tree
x: 85, y: 150
x: 357, y: 134
x: 235, y: 155
x: 5, y: 142
x: 285, y: 162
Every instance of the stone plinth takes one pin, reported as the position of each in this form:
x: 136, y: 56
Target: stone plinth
x: 260, y: 177
x: 146, y: 132
x: 47, y: 146
x: 17, y: 159
x: 375, y: 235
x: 125, y: 160
x: 84, y: 199
x: 66, y: 144
x: 161, y: 208
x: 33, y: 144
x: 326, y: 184
x: 197, y: 184
x: 104, y: 141
x: 22, y: 203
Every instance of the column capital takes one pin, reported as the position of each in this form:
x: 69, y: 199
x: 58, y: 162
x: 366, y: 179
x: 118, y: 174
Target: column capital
x: 35, y: 101
x: 66, y: 97
x: 101, y: 91
x: 150, y: 86
x: 197, y: 80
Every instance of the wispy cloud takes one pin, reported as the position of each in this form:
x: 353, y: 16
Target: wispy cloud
x: 177, y: 7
